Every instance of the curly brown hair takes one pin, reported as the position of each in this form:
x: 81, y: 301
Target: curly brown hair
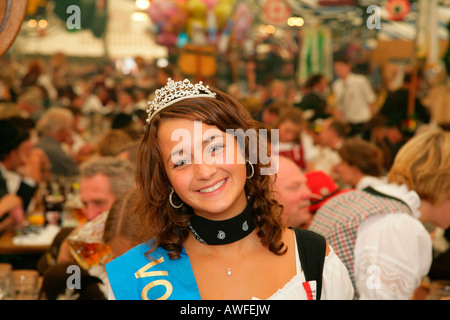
x: 167, y: 227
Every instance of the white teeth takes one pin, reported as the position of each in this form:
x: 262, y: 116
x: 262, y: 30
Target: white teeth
x: 211, y: 189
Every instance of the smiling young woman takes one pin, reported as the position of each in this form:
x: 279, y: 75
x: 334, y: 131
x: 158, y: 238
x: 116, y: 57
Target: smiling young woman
x: 210, y: 226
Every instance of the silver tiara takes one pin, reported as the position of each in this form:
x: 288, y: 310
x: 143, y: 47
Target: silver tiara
x: 175, y: 91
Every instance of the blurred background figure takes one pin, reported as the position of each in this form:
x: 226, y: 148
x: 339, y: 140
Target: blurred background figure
x: 102, y: 180
x: 361, y: 164
x: 271, y: 113
x: 333, y: 133
x: 14, y: 152
x: 354, y: 96
x: 291, y: 190
x: 129, y: 152
x: 294, y: 141
x: 55, y: 130
x: 384, y: 226
x: 10, y: 208
x: 275, y: 91
x: 315, y: 98
x: 37, y: 76
x: 377, y: 133
x: 131, y: 124
x: 111, y: 142
x: 395, y: 107
x: 329, y: 137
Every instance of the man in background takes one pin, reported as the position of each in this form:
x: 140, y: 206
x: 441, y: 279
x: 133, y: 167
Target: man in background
x: 292, y: 191
x: 15, y: 187
x: 354, y: 96
x: 102, y: 180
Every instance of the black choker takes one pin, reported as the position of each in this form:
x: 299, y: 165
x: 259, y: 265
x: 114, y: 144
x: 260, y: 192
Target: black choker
x: 225, y: 231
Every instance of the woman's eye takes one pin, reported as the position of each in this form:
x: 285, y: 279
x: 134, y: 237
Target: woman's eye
x: 216, y: 148
x: 180, y: 163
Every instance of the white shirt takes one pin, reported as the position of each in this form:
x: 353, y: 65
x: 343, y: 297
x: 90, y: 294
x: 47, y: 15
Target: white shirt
x: 326, y: 158
x: 393, y: 251
x: 310, y: 150
x: 13, y: 179
x: 354, y: 96
x: 371, y: 181
x: 92, y: 104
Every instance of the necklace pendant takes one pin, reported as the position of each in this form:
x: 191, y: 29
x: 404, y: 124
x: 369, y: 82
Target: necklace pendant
x: 229, y: 271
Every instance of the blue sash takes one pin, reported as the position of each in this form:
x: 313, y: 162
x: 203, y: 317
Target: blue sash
x: 133, y: 276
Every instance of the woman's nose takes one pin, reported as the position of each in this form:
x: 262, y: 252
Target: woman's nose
x: 204, y: 171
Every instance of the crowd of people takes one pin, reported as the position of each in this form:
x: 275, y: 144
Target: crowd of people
x: 364, y: 180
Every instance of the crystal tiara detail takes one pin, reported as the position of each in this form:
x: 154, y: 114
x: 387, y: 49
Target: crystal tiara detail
x: 175, y: 91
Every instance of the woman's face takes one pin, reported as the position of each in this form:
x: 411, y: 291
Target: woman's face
x: 205, y: 167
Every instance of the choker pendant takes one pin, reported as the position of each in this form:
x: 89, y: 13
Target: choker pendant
x: 220, y: 232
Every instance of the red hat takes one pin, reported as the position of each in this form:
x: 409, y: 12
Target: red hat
x: 323, y: 188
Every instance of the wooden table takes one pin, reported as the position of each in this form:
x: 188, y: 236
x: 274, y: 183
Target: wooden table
x: 8, y: 247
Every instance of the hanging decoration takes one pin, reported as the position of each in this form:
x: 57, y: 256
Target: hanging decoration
x: 398, y: 9
x: 34, y: 6
x: 170, y: 19
x: 198, y: 22
x: 276, y: 12
x: 316, y: 53
x: 197, y: 28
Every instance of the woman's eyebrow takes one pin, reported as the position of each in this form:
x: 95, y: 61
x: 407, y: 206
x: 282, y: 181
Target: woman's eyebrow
x: 210, y: 138
x: 175, y: 153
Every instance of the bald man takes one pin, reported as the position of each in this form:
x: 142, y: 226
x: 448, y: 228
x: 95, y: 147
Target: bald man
x: 293, y: 193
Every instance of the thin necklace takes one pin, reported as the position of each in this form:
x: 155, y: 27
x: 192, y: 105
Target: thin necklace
x: 221, y: 265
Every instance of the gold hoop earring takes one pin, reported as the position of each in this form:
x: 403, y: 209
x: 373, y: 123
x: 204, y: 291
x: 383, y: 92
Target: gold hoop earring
x: 253, y: 170
x: 171, y: 202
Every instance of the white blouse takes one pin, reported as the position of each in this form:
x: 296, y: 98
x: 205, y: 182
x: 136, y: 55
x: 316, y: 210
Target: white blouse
x: 336, y: 283
x: 393, y: 251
